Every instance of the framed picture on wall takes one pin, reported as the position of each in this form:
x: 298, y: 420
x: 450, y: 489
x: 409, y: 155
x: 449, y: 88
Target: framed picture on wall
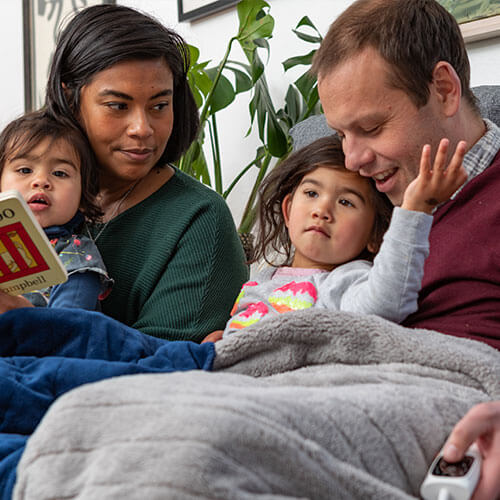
x: 478, y: 19
x: 190, y: 10
x: 42, y: 21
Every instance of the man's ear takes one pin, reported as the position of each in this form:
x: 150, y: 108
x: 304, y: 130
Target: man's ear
x: 285, y: 208
x: 447, y: 87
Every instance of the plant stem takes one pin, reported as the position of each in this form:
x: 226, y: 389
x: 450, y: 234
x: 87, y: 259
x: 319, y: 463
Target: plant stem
x: 208, y: 101
x: 240, y: 175
x: 214, y: 138
x: 248, y: 218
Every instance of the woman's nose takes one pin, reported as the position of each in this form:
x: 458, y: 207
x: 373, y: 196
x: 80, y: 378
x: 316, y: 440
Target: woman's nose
x: 140, y: 125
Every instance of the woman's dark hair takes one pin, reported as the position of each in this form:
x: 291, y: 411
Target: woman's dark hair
x: 24, y: 134
x: 101, y: 36
x: 272, y: 235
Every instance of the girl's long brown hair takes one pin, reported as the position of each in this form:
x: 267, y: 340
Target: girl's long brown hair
x: 272, y: 240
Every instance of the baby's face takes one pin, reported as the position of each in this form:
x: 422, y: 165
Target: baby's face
x: 48, y: 177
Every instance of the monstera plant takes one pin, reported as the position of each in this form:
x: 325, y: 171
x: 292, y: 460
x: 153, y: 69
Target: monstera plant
x: 216, y: 87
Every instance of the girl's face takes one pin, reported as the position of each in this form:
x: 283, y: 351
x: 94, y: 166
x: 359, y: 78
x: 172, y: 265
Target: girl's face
x: 329, y: 218
x: 48, y: 178
x: 127, y: 113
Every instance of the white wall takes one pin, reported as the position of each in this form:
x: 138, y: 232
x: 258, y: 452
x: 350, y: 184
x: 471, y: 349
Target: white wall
x: 211, y: 35
x: 11, y: 57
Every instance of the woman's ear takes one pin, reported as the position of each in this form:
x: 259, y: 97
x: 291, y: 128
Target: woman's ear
x: 285, y: 207
x: 446, y: 87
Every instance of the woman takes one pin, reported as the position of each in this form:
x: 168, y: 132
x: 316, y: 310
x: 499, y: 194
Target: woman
x: 168, y: 241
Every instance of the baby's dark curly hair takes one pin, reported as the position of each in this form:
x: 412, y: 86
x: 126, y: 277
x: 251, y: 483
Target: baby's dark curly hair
x: 272, y: 240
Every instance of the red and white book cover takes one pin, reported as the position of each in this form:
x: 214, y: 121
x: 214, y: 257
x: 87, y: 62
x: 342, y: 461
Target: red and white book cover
x: 28, y: 261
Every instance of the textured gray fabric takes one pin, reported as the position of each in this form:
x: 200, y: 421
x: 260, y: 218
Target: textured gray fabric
x: 307, y: 131
x: 344, y: 406
x: 315, y: 126
x: 488, y: 97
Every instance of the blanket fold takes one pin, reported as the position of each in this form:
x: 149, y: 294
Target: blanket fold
x: 305, y: 339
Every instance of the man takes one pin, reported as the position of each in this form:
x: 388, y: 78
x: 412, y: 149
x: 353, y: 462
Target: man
x: 393, y: 75
x: 388, y: 91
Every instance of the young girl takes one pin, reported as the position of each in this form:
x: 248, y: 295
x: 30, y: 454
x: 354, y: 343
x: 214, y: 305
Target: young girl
x: 320, y: 227
x: 52, y: 167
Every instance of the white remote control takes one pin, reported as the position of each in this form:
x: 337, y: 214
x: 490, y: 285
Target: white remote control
x: 452, y: 481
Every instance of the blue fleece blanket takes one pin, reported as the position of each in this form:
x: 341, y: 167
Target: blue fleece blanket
x: 47, y: 352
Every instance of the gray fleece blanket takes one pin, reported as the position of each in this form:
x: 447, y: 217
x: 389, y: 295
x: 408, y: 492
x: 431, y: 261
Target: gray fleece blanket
x: 312, y: 404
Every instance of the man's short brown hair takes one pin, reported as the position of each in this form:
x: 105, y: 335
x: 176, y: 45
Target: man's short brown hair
x: 411, y: 35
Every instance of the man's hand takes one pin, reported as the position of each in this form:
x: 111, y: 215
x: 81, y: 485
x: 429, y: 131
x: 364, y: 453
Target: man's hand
x: 436, y: 184
x: 9, y: 302
x: 481, y: 424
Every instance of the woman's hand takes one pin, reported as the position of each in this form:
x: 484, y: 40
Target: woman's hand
x: 481, y: 424
x: 436, y: 183
x: 9, y: 302
x: 213, y: 337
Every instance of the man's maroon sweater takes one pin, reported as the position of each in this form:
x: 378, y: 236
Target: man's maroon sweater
x: 461, y: 286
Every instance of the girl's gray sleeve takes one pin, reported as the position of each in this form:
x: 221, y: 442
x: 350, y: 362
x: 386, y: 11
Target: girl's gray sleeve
x: 390, y: 287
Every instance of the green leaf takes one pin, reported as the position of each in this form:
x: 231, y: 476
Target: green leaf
x: 257, y: 68
x: 199, y: 167
x: 245, y: 66
x: 201, y: 81
x: 198, y: 98
x: 252, y: 107
x: 224, y: 93
x: 313, y: 106
x: 292, y: 103
x: 260, y: 108
x: 307, y: 38
x: 194, y: 54
x: 243, y: 82
x: 305, y: 83
x: 254, y: 24
x: 262, y: 43
x: 298, y: 60
x: 305, y: 21
x: 277, y: 142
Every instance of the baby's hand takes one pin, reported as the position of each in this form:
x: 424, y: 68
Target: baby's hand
x: 9, y: 302
x: 436, y: 184
x: 213, y: 337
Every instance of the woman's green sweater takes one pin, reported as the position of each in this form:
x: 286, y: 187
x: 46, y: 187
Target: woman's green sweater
x: 177, y: 262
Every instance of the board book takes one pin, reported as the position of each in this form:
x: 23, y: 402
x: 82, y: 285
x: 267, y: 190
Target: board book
x: 28, y: 260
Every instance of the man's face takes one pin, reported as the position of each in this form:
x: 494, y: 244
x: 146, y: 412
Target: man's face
x: 382, y: 130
